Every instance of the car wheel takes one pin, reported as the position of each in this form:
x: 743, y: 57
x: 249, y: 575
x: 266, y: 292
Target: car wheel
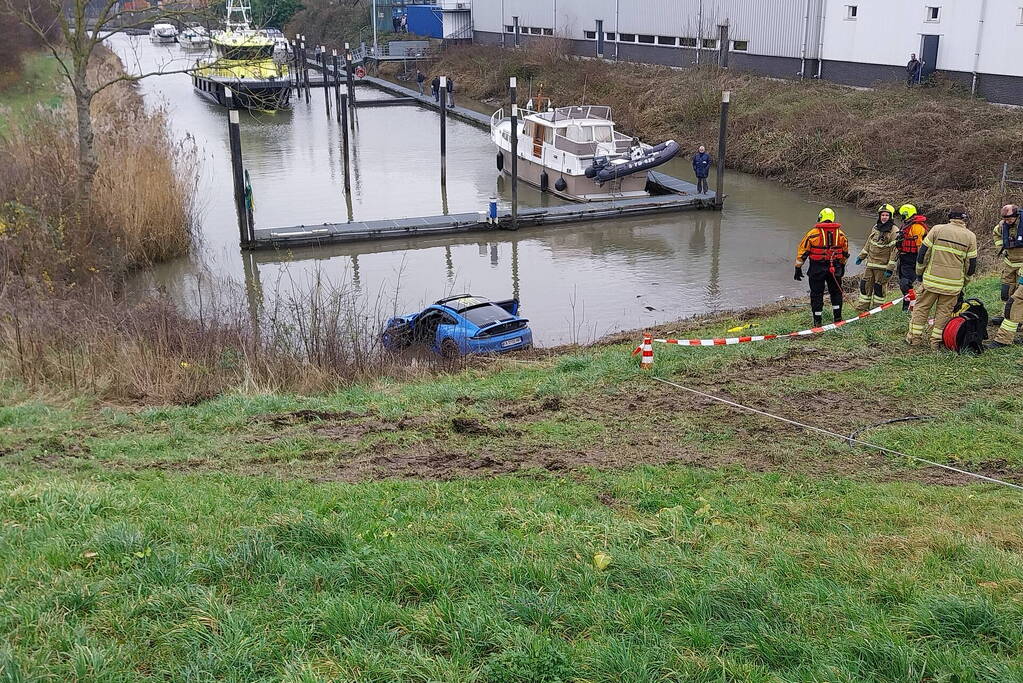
x: 449, y: 349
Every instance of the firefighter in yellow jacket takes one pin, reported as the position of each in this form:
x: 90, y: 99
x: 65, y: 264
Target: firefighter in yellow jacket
x: 880, y: 253
x: 1009, y: 243
x: 946, y: 260
x: 827, y: 248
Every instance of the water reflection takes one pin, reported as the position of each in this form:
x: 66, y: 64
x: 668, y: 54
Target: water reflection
x: 574, y: 281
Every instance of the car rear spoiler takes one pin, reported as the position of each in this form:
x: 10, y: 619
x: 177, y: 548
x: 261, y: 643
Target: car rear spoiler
x: 510, y: 305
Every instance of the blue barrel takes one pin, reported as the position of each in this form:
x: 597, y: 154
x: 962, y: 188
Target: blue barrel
x: 493, y: 209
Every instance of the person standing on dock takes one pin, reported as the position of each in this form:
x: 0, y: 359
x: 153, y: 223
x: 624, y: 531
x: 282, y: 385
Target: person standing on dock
x: 435, y: 88
x: 451, y: 91
x: 420, y: 81
x: 911, y: 236
x: 701, y: 167
x: 827, y: 249
x: 880, y: 253
x: 947, y: 259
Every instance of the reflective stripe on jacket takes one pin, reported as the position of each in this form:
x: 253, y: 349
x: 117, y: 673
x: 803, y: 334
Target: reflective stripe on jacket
x: 1013, y: 254
x: 879, y: 251
x: 824, y: 242
x: 950, y: 247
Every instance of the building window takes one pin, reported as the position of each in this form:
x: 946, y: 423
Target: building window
x: 523, y: 29
x: 626, y: 37
x: 590, y: 35
x: 740, y: 45
x: 933, y: 14
x: 643, y: 38
x: 536, y: 30
x: 548, y: 32
x: 666, y: 40
x: 850, y: 12
x: 508, y: 28
x: 687, y: 42
x: 609, y: 36
x: 1020, y: 22
x: 710, y: 44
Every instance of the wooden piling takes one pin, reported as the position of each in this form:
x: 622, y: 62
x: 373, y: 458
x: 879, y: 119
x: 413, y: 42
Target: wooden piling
x: 443, y: 131
x: 513, y: 92
x: 350, y: 78
x: 337, y: 84
x: 326, y: 80
x: 296, y: 70
x: 245, y: 234
x: 719, y: 196
x: 343, y: 108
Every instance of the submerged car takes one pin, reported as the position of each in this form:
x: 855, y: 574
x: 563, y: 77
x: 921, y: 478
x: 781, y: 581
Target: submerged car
x: 462, y: 325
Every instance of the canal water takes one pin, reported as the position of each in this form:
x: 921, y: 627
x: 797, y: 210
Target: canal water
x: 576, y: 282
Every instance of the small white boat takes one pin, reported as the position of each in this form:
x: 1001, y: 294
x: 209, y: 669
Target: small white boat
x: 576, y: 153
x: 194, y: 38
x: 163, y: 33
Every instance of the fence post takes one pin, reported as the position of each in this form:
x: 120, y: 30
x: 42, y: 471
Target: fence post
x: 719, y: 193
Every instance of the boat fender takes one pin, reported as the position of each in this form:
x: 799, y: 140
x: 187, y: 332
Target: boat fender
x: 545, y: 181
x: 591, y: 171
x: 560, y: 185
x: 500, y: 161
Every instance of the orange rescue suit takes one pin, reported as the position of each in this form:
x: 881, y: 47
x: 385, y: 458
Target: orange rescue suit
x: 825, y: 245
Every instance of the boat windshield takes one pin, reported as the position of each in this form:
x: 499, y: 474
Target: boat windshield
x: 589, y: 133
x: 247, y: 53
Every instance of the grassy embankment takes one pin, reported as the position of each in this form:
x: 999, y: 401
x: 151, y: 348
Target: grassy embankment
x: 229, y: 540
x: 932, y: 147
x: 38, y: 84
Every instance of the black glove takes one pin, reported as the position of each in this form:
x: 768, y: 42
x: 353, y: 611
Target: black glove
x: 799, y: 274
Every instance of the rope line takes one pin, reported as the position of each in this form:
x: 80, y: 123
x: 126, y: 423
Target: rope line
x: 836, y: 435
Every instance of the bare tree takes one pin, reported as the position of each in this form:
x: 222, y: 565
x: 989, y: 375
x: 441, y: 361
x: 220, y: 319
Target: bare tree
x: 72, y: 30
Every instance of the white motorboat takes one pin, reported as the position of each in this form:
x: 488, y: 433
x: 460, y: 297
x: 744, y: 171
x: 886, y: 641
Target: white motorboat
x: 194, y: 38
x: 163, y: 33
x: 576, y: 153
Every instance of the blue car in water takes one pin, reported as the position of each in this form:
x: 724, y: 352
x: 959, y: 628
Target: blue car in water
x: 462, y: 325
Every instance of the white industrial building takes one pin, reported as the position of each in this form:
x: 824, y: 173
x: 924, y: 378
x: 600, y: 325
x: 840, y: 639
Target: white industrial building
x: 857, y: 42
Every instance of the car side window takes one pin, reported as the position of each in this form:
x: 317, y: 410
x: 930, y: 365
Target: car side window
x: 448, y: 320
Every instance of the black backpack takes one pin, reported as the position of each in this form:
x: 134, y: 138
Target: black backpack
x: 967, y: 331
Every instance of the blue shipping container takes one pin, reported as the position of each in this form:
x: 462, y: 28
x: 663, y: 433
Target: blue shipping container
x: 425, y: 20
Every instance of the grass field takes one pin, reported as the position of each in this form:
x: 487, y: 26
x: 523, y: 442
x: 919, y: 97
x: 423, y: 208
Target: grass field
x: 540, y: 519
x: 38, y: 86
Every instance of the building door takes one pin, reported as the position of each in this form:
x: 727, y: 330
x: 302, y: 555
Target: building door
x: 928, y: 54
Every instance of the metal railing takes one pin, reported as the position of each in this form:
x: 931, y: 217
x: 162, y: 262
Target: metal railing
x: 1006, y: 180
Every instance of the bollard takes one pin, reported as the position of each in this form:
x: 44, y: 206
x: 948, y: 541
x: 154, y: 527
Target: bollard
x: 443, y: 132
x: 326, y: 80
x: 343, y: 108
x: 719, y: 197
x: 647, y: 360
x: 513, y: 90
x: 337, y: 84
x: 237, y: 172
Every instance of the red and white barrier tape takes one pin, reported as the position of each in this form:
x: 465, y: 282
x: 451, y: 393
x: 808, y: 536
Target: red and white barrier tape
x: 728, y: 341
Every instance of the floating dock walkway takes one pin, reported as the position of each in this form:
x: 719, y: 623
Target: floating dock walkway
x: 670, y: 194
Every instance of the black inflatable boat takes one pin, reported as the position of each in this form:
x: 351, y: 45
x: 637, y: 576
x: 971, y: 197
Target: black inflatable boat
x: 604, y: 169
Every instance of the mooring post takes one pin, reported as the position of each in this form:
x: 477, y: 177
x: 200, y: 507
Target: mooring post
x: 350, y: 77
x: 719, y: 196
x: 296, y: 75
x: 337, y: 83
x: 443, y: 131
x: 237, y: 172
x: 343, y: 108
x: 305, y: 70
x: 326, y: 80
x: 513, y: 90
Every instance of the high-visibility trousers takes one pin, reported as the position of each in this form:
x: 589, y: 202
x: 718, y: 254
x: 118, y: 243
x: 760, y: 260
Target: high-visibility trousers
x: 943, y: 306
x: 1013, y: 317
x: 872, y: 285
x: 1010, y: 281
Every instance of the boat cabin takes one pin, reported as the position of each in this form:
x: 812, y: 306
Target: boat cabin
x: 569, y: 137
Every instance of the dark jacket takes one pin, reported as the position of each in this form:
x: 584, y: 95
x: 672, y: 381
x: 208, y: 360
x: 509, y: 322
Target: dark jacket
x: 420, y: 77
x: 914, y: 66
x: 451, y: 84
x: 701, y: 164
x: 435, y: 83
